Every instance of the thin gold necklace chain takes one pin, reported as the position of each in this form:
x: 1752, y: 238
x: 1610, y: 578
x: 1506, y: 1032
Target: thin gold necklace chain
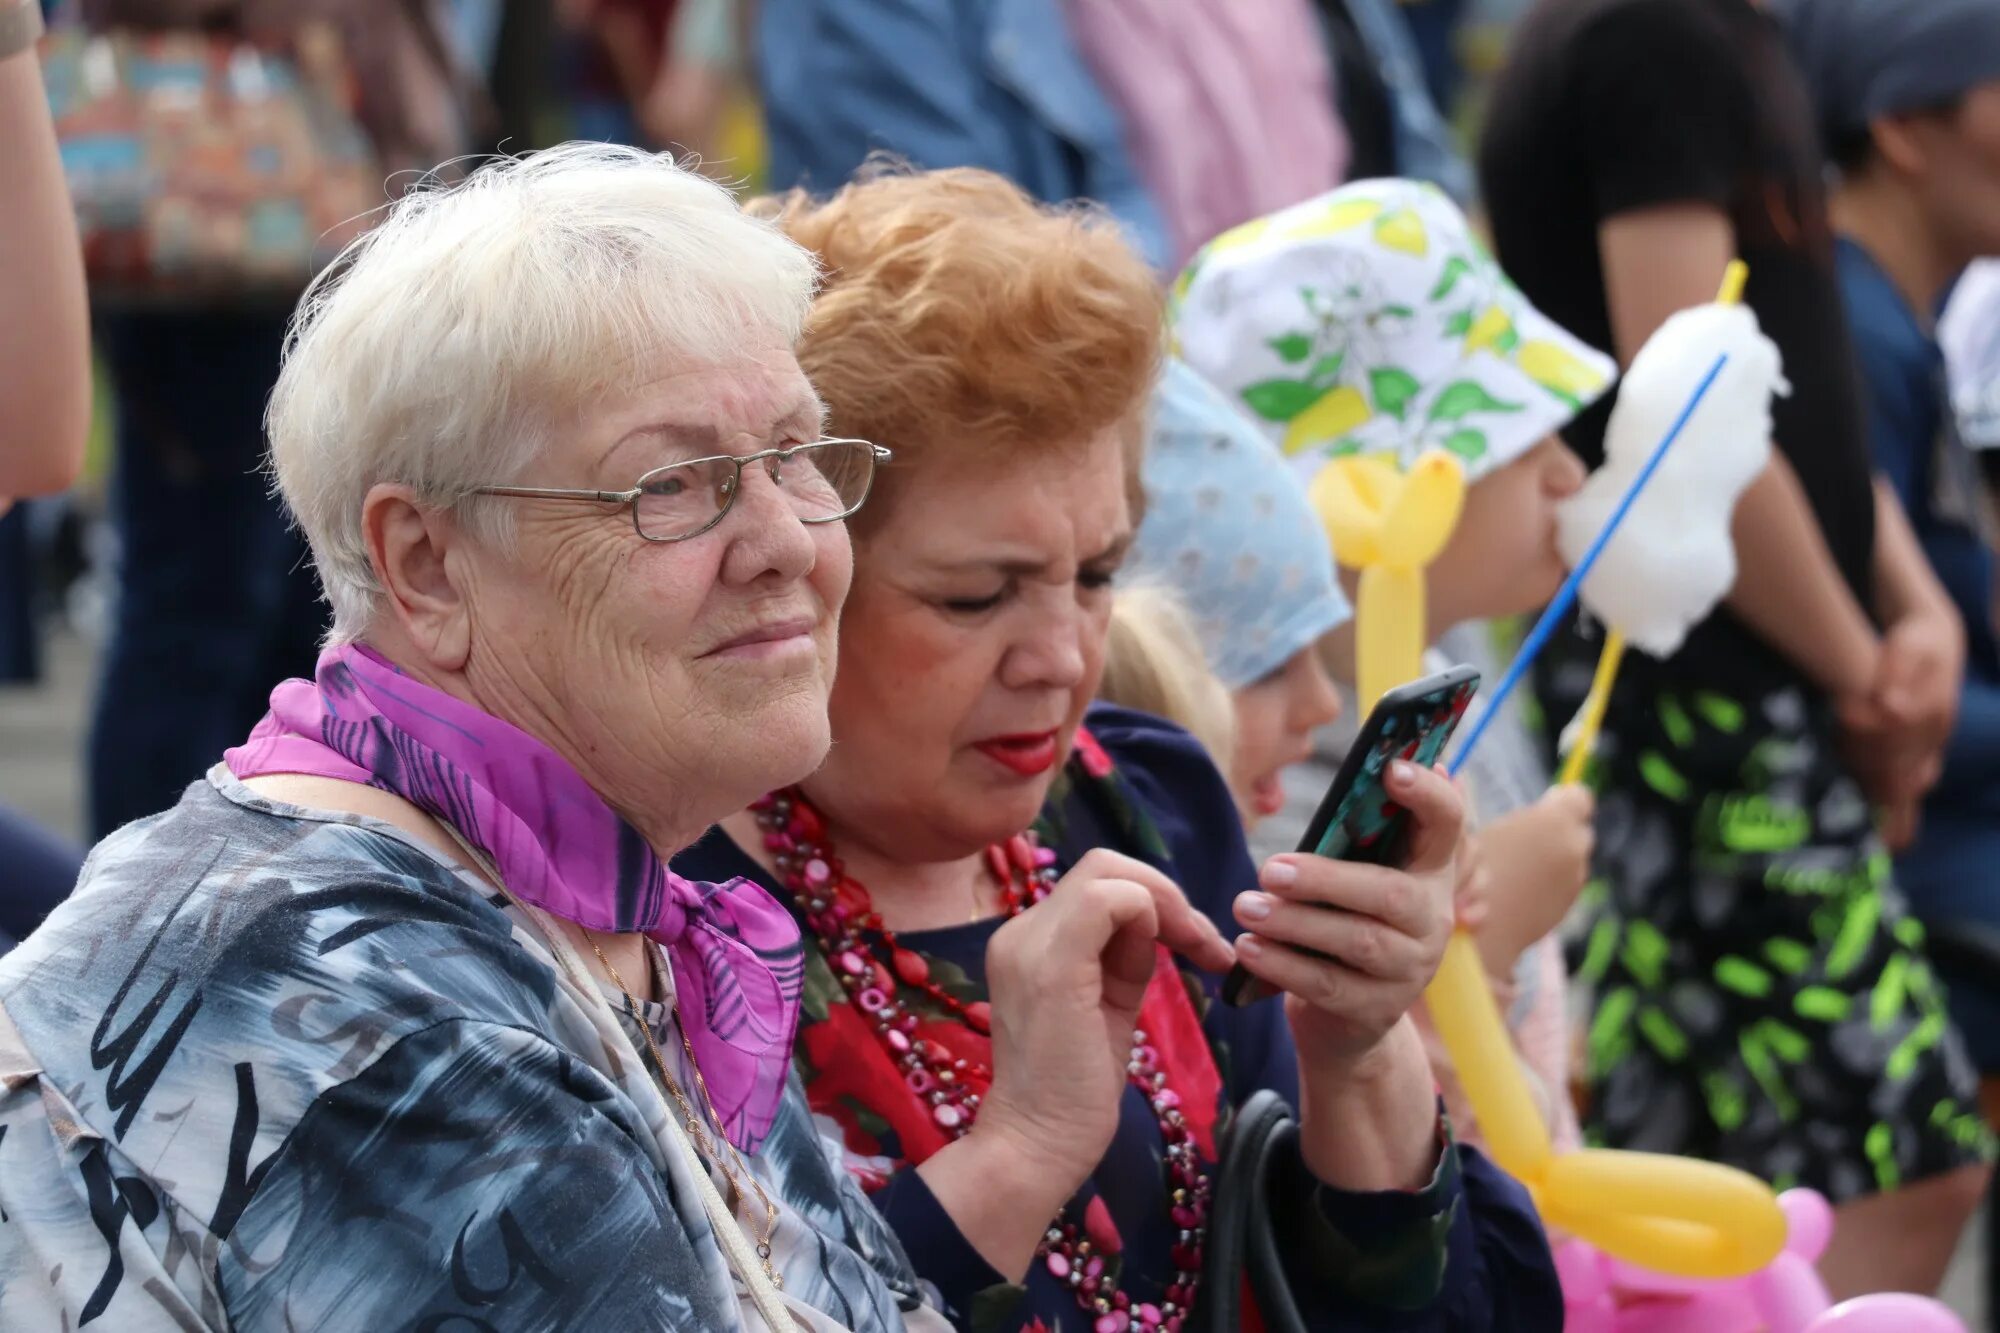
x: 696, y: 1129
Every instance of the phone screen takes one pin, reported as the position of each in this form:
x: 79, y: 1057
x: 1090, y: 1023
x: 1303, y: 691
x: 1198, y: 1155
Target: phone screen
x: 1357, y: 820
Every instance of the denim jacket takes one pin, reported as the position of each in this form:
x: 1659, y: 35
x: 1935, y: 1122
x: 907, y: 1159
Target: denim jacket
x: 1424, y: 148
x: 945, y: 83
x: 1000, y: 84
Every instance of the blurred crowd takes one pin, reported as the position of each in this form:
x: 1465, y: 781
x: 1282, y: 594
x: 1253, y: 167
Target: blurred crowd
x: 1767, y: 930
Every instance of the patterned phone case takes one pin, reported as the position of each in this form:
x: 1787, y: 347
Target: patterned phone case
x: 1367, y: 825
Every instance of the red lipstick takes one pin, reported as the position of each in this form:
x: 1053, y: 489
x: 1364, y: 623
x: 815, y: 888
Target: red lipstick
x: 1027, y: 755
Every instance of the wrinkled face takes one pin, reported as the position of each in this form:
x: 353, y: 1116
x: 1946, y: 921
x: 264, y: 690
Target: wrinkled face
x: 1959, y: 171
x: 972, y: 645
x: 1502, y: 558
x: 1275, y: 721
x: 682, y: 679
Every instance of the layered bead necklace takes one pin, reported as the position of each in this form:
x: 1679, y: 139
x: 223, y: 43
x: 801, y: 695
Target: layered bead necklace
x: 855, y: 943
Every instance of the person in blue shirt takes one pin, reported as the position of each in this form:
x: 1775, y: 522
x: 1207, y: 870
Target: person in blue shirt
x: 997, y: 84
x: 1908, y: 98
x: 1003, y: 85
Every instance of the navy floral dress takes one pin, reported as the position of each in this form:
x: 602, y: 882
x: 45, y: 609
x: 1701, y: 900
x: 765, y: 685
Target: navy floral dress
x: 1465, y: 1253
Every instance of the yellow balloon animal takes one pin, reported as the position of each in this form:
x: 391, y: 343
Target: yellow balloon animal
x: 1668, y: 1214
x: 1390, y: 525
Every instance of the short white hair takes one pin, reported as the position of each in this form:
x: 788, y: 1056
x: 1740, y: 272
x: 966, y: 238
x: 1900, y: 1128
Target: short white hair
x: 443, y: 348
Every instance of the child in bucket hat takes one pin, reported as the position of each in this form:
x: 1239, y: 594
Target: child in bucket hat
x: 1226, y: 594
x: 1370, y: 322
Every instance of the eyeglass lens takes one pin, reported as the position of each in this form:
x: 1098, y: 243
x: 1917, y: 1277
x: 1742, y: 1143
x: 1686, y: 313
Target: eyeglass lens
x: 822, y: 482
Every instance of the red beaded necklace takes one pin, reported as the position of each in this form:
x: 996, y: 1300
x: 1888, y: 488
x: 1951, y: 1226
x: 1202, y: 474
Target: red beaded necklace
x: 854, y: 940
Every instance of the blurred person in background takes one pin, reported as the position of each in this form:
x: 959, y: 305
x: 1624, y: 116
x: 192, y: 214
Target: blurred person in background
x: 1182, y: 120
x: 45, y: 337
x: 44, y: 385
x: 700, y: 85
x: 609, y: 52
x: 1909, y: 106
x: 215, y: 598
x: 1395, y: 126
x: 1435, y: 26
x: 948, y: 83
x: 1762, y: 996
x: 1227, y: 109
x: 1969, y: 335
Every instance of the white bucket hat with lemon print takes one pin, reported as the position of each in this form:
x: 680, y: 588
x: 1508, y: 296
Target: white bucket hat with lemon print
x: 1370, y: 321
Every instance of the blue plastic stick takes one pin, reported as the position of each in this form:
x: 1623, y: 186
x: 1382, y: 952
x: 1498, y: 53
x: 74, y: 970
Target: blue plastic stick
x: 1565, y: 598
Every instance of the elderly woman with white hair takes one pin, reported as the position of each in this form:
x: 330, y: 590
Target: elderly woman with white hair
x: 399, y: 1018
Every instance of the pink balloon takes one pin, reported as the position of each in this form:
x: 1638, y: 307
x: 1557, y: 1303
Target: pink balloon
x: 1645, y: 1282
x: 1581, y: 1270
x: 1786, y: 1297
x: 1888, y: 1312
x: 1808, y: 1223
x: 1789, y: 1294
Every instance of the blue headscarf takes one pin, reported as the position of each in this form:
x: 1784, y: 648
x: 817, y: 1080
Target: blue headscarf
x: 1228, y: 527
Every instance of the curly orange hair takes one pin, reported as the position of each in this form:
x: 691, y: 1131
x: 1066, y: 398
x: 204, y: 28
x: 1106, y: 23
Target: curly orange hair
x: 959, y: 315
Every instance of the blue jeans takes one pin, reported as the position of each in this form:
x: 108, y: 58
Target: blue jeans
x: 41, y: 870
x: 1434, y: 26
x: 216, y: 601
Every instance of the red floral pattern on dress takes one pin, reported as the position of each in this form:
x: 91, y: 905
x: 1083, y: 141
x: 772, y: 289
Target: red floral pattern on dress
x: 1091, y: 755
x: 851, y: 1073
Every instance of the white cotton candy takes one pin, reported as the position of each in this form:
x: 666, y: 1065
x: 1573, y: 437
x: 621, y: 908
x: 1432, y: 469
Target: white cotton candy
x: 1672, y: 560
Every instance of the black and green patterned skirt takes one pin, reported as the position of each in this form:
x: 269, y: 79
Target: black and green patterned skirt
x: 1760, y: 994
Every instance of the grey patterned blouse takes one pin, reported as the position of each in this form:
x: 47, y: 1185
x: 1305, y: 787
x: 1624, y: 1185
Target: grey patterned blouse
x: 273, y: 1068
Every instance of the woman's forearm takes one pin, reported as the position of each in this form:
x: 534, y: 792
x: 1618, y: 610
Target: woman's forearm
x: 1000, y: 1193
x: 1789, y: 591
x: 1905, y: 583
x: 45, y: 341
x: 1375, y: 1126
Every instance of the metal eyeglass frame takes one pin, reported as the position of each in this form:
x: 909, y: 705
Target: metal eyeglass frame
x: 877, y: 455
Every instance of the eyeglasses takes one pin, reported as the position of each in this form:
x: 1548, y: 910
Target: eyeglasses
x: 825, y: 481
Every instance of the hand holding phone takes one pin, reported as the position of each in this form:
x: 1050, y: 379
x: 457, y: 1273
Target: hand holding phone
x: 1359, y: 821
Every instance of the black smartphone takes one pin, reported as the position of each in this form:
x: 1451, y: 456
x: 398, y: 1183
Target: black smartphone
x: 1356, y: 821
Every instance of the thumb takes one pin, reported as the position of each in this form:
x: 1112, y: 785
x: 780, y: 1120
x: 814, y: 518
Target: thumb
x: 1437, y: 815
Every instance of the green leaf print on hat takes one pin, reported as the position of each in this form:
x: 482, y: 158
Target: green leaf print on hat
x: 1393, y: 389
x: 1454, y: 268
x: 1280, y: 400
x: 1293, y: 347
x: 1469, y: 445
x: 1463, y: 398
